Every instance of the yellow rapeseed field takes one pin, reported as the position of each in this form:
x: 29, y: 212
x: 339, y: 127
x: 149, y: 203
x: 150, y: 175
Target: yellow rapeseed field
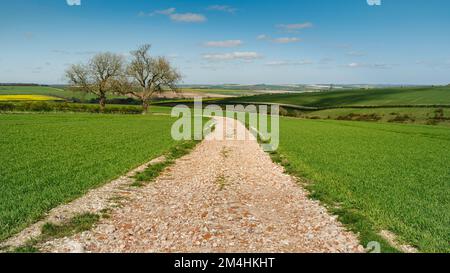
x: 27, y: 98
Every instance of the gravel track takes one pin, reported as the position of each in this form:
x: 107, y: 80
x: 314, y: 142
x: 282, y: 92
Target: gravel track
x: 225, y: 196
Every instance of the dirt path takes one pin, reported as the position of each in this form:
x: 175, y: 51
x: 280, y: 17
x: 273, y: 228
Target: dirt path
x: 225, y: 196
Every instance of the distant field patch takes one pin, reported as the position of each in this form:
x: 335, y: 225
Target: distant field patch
x: 223, y: 92
x: 425, y: 115
x: 28, y: 98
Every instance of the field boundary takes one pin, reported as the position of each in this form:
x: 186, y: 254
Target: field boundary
x: 300, y: 107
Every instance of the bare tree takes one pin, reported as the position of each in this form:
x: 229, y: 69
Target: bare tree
x: 97, y: 76
x: 147, y: 76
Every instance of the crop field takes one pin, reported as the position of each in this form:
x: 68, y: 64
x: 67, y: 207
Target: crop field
x: 68, y: 94
x: 381, y: 97
x: 28, y: 98
x: 47, y: 91
x: 49, y: 159
x: 376, y: 176
x: 36, y: 90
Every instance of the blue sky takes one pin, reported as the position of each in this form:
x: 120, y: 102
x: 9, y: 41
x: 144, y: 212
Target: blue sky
x: 241, y: 41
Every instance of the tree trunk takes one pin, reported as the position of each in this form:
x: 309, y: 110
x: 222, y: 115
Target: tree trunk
x: 102, y: 103
x: 145, y: 106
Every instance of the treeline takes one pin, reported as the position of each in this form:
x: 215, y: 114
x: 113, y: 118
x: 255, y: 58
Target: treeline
x: 67, y: 107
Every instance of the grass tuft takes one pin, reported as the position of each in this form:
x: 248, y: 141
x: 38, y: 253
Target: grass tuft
x: 75, y: 225
x: 222, y: 182
x: 50, y: 231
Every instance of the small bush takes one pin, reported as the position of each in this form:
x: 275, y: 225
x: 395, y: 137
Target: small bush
x: 402, y: 118
x: 358, y: 117
x: 40, y: 107
x: 439, y: 113
x: 6, y: 107
x: 283, y: 111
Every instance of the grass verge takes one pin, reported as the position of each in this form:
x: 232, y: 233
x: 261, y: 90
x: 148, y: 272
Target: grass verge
x: 50, y: 231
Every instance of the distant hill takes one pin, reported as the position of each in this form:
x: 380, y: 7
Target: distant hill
x: 360, y: 97
x: 22, y: 84
x: 291, y: 87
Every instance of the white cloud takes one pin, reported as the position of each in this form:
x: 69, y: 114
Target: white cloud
x: 227, y: 43
x: 262, y: 37
x: 282, y: 40
x: 373, y: 66
x: 232, y: 56
x: 165, y: 11
x: 223, y: 8
x: 177, y: 17
x: 354, y: 65
x: 73, y: 2
x: 188, y: 17
x: 286, y: 40
x: 295, y: 27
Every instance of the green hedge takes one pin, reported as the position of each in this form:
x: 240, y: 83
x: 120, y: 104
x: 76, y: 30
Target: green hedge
x: 67, y: 107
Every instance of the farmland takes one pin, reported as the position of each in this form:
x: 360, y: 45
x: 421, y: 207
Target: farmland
x: 222, y: 92
x: 373, y: 97
x: 412, y: 105
x: 376, y: 176
x: 28, y: 98
x: 58, y: 92
x: 64, y: 93
x: 37, y: 90
x: 49, y: 159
